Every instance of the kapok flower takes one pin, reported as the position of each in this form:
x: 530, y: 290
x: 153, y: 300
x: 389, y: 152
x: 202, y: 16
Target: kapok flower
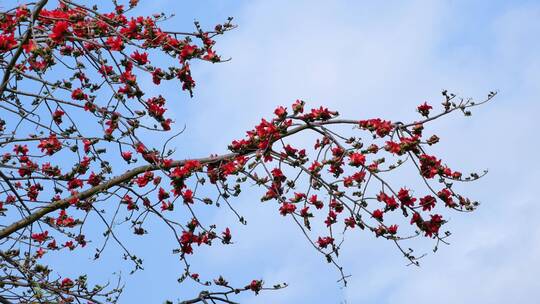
x: 59, y: 31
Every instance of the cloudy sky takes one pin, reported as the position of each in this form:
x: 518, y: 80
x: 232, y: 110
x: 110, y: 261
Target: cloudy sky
x: 369, y: 59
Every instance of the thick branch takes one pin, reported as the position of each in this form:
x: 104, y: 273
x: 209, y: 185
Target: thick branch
x: 93, y: 191
x: 31, y: 218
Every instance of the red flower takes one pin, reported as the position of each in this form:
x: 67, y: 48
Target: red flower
x: 87, y: 145
x: 33, y: 191
x: 184, y: 74
x: 166, y: 124
x: 188, y: 51
x: 378, y: 214
x: 59, y: 31
x: 7, y: 42
x: 83, y: 165
x: 359, y: 176
x: 29, y: 46
x: 211, y: 56
x: 314, y: 201
x: 70, y: 245
x: 130, y: 203
x: 167, y: 163
x: 432, y: 226
x: 67, y: 283
x: 330, y: 219
x: 129, y: 79
x: 405, y: 198
x: 390, y: 201
x: 298, y: 106
x: 50, y: 170
x: 94, y: 179
x: 22, y: 12
x: 105, y: 70
x: 192, y: 165
x: 416, y: 218
x: 305, y: 212
x: 427, y: 202
x: 57, y: 116
x: 429, y: 165
x: 393, y: 147
x: 51, y: 145
x: 323, y: 242
x: 446, y: 195
x: 226, y: 236
x: 298, y: 197
x: 162, y: 194
x: 188, y: 196
x: 40, y: 252
x: 140, y: 58
x: 78, y: 94
x: 144, y: 179
x: 278, y: 175
x: 350, y: 222
x: 337, y: 206
x: 319, y: 114
x: 424, y: 109
x: 255, y: 285
x: 40, y: 237
x: 75, y: 183
x: 157, y: 74
x: 280, y: 112
x: 456, y: 175
x: 393, y: 229
x: 64, y: 220
x: 115, y: 44
x: 167, y: 206
x: 357, y: 159
x: 140, y: 148
x: 126, y: 155
x: 155, y: 106
x: 377, y: 125
x: 287, y: 208
x: 315, y: 167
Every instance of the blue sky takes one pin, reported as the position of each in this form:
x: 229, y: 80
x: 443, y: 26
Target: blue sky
x: 366, y: 59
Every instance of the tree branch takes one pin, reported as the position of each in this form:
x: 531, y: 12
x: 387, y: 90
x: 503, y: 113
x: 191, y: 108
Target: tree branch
x: 24, y: 40
x: 63, y: 203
